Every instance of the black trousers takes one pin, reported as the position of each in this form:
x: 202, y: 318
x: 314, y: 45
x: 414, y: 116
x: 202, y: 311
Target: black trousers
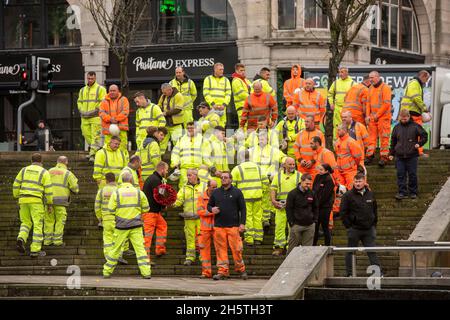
x: 324, y: 221
x: 367, y: 237
x: 407, y: 169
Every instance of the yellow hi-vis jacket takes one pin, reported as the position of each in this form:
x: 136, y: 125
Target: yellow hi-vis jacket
x: 168, y: 104
x: 102, y: 200
x: 133, y: 173
x: 149, y: 116
x: 268, y: 158
x: 187, y: 153
x: 241, y: 90
x: 338, y: 91
x: 107, y: 160
x: 89, y: 99
x: 248, y: 177
x: 253, y: 139
x: 64, y: 182
x: 209, y: 122
x: 187, y: 196
x: 188, y: 90
x: 127, y: 203
x: 283, y: 183
x: 33, y: 184
x: 288, y: 130
x: 413, y: 98
x: 150, y: 157
x: 266, y: 87
x: 217, y: 91
x: 215, y: 153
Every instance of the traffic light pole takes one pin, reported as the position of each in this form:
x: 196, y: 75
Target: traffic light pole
x: 19, y: 119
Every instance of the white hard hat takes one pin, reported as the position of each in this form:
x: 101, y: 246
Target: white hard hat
x: 114, y: 130
x: 296, y: 90
x: 426, y: 117
x: 175, y: 176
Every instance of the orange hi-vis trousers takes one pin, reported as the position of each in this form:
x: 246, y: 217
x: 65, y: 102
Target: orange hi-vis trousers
x: 379, y: 130
x: 346, y: 177
x: 154, y: 221
x: 418, y: 120
x: 204, y: 243
x: 224, y: 237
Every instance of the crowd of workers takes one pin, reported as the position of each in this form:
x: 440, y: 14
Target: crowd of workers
x: 229, y: 185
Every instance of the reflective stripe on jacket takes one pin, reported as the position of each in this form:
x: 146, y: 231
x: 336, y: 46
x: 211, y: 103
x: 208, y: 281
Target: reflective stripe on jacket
x: 310, y: 104
x: 248, y: 178
x: 380, y: 101
x: 118, y: 108
x: 206, y: 217
x: 188, y: 196
x: 149, y: 116
x: 413, y: 98
x: 348, y: 153
x: 33, y: 184
x: 302, y: 146
x: 188, y: 89
x: 241, y: 90
x: 102, y: 200
x: 356, y: 101
x: 64, y: 182
x: 107, y: 160
x: 217, y: 91
x: 89, y: 99
x: 283, y: 183
x: 338, y: 90
x: 187, y: 152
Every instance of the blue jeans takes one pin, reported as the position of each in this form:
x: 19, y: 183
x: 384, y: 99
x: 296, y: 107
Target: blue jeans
x: 407, y: 167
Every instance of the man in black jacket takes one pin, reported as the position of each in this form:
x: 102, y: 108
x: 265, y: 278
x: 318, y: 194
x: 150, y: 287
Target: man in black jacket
x: 359, y: 216
x: 407, y: 138
x: 228, y: 205
x: 153, y: 220
x: 41, y: 134
x: 301, y: 213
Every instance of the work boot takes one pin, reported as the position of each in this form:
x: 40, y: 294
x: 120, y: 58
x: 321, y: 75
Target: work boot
x: 249, y: 244
x: 59, y: 245
x: 424, y: 155
x: 100, y: 225
x: 258, y: 242
x: 106, y: 276
x: 220, y: 276
x: 92, y: 159
x: 20, y: 245
x: 147, y: 277
x: 87, y: 156
x: 128, y: 253
x: 400, y: 196
x: 204, y: 276
x: 277, y: 252
x: 122, y: 261
x: 187, y: 263
x: 413, y: 196
x: 38, y: 254
x: 368, y: 160
x: 244, y: 275
x: 382, y: 163
x: 159, y: 255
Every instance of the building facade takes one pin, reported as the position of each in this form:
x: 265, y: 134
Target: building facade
x: 195, y: 34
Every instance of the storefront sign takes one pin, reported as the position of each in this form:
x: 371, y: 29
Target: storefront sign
x: 161, y: 64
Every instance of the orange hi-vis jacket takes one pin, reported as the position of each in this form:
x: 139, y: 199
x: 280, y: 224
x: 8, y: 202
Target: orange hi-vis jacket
x: 302, y: 146
x: 348, y: 153
x: 206, y: 217
x: 257, y: 105
x: 359, y: 132
x: 380, y: 101
x: 291, y: 84
x: 310, y: 103
x: 356, y: 101
x: 118, y: 108
x: 323, y: 155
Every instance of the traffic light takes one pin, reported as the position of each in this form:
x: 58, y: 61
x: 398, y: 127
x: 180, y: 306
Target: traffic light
x: 44, y: 75
x: 24, y: 76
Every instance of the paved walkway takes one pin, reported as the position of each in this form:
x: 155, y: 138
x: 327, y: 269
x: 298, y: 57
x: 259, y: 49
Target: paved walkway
x: 178, y: 285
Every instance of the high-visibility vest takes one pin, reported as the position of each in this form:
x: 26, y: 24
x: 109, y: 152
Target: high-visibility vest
x: 310, y: 104
x: 33, y: 184
x: 176, y: 101
x: 241, y: 90
x: 248, y: 177
x: 380, y: 101
x: 209, y: 122
x: 89, y: 99
x: 64, y: 182
x: 188, y: 196
x: 413, y: 98
x: 118, y: 108
x: 267, y: 158
x: 266, y: 87
x: 128, y: 203
x: 323, y: 155
x: 206, y: 217
x: 203, y: 174
x: 215, y: 154
x: 290, y: 85
x: 287, y: 131
x: 338, y: 90
x: 149, y: 116
x: 102, y: 200
x: 356, y: 101
x: 256, y: 106
x: 135, y: 182
x: 107, y: 160
x: 348, y: 153
x: 302, y: 145
x: 217, y: 91
x: 187, y: 152
x: 150, y: 157
x: 253, y: 139
x: 359, y: 132
x: 283, y: 183
x: 188, y: 90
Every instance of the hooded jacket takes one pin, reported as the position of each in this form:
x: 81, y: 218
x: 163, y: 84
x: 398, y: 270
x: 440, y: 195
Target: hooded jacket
x: 292, y: 84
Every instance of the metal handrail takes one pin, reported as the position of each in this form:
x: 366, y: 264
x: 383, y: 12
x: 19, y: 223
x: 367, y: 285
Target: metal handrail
x: 413, y: 250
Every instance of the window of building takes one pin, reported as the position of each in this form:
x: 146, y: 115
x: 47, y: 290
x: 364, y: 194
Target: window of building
x: 38, y: 24
x: 398, y: 27
x: 286, y: 14
x: 314, y: 17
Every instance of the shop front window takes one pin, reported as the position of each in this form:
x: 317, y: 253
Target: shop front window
x: 314, y: 17
x: 286, y: 14
x: 62, y: 25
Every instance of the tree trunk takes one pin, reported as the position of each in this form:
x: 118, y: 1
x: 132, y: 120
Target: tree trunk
x: 124, y: 74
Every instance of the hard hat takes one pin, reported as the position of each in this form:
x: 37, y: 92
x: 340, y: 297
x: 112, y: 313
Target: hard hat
x: 296, y: 90
x: 114, y: 130
x: 426, y: 117
x: 175, y: 176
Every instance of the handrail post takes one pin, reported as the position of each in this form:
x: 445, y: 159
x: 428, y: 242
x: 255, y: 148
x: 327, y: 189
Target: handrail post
x: 413, y: 263
x: 353, y: 264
